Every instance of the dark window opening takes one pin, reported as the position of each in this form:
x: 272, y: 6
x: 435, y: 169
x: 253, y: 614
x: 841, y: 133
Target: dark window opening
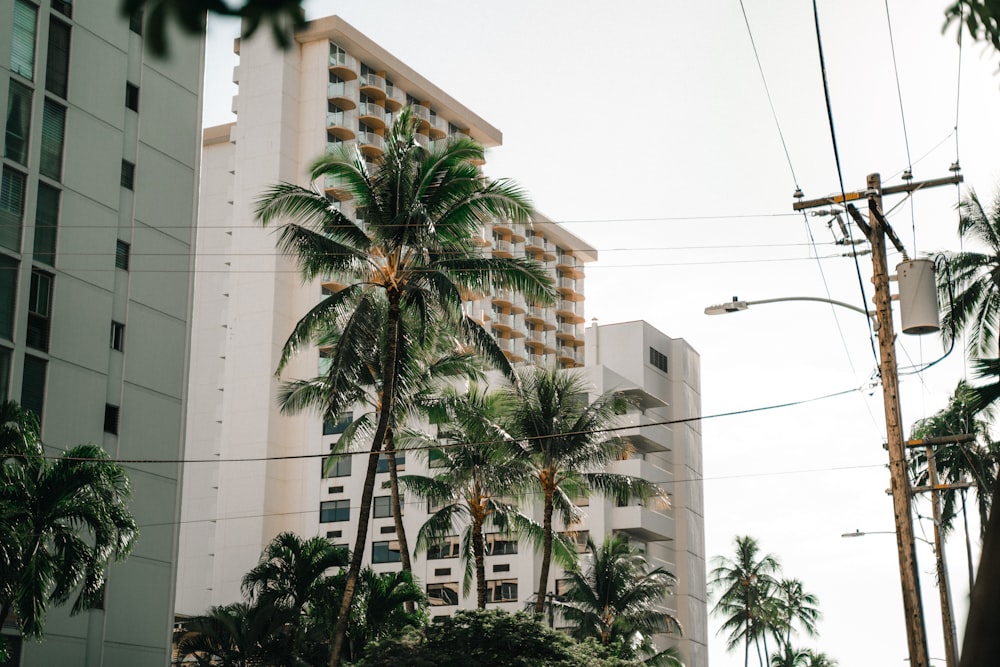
x: 135, y: 22
x: 128, y: 174
x: 123, y: 252
x: 57, y: 64
x: 132, y: 96
x: 39, y: 311
x: 111, y: 419
x: 334, y: 510
x: 118, y: 336
x: 658, y: 360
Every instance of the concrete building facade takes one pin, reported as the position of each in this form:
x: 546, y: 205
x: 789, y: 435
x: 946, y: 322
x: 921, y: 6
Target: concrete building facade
x: 97, y: 210
x: 337, y: 86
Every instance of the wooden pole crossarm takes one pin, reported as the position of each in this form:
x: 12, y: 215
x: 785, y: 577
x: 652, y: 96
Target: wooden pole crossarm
x: 941, y: 487
x: 919, y: 185
x: 832, y: 199
x: 942, y: 440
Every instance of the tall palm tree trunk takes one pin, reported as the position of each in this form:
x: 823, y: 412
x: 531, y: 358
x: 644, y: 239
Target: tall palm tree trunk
x: 378, y: 440
x: 397, y: 511
x: 478, y: 554
x: 543, y: 575
x: 968, y: 544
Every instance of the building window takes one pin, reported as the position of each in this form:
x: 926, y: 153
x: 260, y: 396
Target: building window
x: 339, y: 467
x: 501, y: 590
x: 22, y: 49
x: 562, y: 588
x: 383, y: 462
x: 57, y: 63
x: 501, y: 567
x: 499, y: 545
x: 46, y: 224
x: 128, y: 174
x: 11, y: 208
x: 111, y: 419
x: 382, y: 506
x: 4, y: 373
x: 123, y: 252
x: 658, y: 359
x: 385, y: 552
x: 18, y: 123
x: 331, y: 511
x: 39, y: 310
x: 579, y: 537
x: 135, y: 22
x: 8, y: 295
x: 446, y: 547
x: 53, y: 131
x: 33, y: 385
x: 385, y: 530
x: 64, y: 7
x: 132, y: 96
x: 442, y: 595
x: 118, y: 336
x: 338, y: 56
x: 338, y: 426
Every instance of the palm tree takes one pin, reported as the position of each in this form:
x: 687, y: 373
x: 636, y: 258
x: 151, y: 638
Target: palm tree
x: 617, y: 601
x: 795, y: 606
x: 236, y: 635
x: 743, y: 586
x: 379, y: 610
x: 415, y: 251
x: 970, y: 289
x: 791, y: 657
x: 62, y: 522
x: 291, y: 573
x: 565, y: 439
x: 819, y: 659
x: 962, y: 463
x: 424, y: 367
x: 472, y: 479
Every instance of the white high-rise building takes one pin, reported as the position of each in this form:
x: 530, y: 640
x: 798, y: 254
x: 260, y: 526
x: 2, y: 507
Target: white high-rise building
x: 97, y: 210
x: 335, y: 85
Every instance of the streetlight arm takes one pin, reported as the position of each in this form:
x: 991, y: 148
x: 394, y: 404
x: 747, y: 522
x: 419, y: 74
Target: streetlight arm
x: 736, y: 305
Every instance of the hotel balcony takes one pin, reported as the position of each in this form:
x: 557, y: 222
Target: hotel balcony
x: 438, y: 127
x: 482, y: 237
x: 504, y: 226
x: 568, y: 310
x: 502, y: 248
x: 539, y: 358
x: 372, y: 114
x: 535, y: 243
x: 394, y: 97
x: 340, y: 124
x: 344, y: 65
x: 517, y: 325
x: 570, y: 289
x: 647, y: 434
x: 570, y: 356
x: 423, y: 114
x: 343, y: 93
x: 569, y: 330
x: 642, y: 523
x: 334, y: 185
x: 537, y: 315
x: 373, y: 85
x: 535, y: 338
x: 371, y: 143
x: 503, y: 321
x: 504, y: 297
x: 637, y: 467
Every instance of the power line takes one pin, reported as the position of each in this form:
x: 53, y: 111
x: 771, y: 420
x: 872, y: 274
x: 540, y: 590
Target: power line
x: 609, y: 430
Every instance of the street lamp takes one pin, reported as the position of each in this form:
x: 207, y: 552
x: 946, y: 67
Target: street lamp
x: 736, y: 305
x: 862, y: 533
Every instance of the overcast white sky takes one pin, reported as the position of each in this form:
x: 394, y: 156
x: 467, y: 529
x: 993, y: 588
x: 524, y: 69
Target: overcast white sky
x: 645, y: 128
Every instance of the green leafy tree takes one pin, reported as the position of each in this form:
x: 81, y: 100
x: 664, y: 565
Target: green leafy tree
x: 565, y: 438
x: 743, y: 586
x: 819, y: 659
x: 618, y: 601
x: 981, y: 19
x: 491, y: 638
x: 415, y: 251
x: 472, y: 479
x: 62, y: 522
x: 789, y: 656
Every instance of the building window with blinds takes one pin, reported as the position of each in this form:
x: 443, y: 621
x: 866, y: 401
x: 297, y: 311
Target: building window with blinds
x: 53, y: 131
x: 22, y: 49
x: 11, y: 208
x: 18, y: 123
x: 39, y: 311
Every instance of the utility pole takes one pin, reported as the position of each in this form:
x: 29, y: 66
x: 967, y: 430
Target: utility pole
x: 876, y: 230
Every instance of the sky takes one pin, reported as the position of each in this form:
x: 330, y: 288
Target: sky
x: 646, y: 128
